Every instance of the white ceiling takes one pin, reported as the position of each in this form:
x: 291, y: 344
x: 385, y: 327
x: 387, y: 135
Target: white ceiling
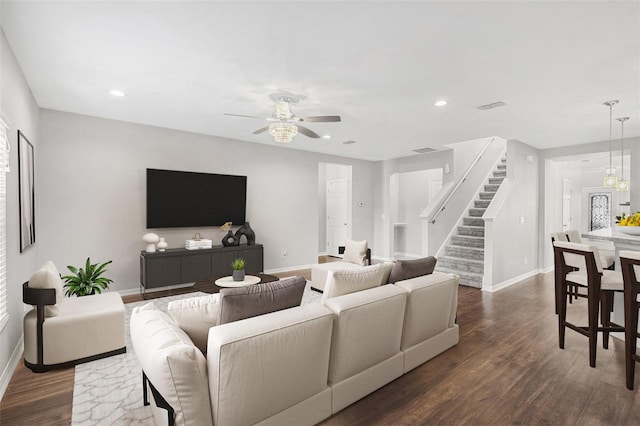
x: 379, y: 65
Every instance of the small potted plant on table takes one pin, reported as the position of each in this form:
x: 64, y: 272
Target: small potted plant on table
x: 238, y: 269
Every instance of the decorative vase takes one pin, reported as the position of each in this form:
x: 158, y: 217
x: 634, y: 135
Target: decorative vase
x: 162, y: 245
x: 230, y: 240
x: 238, y: 274
x: 247, y: 232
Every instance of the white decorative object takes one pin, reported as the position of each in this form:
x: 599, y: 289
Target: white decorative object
x: 198, y: 244
x: 162, y: 244
x: 151, y: 239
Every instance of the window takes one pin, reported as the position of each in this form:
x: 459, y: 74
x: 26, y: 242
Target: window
x: 4, y: 168
x: 599, y: 210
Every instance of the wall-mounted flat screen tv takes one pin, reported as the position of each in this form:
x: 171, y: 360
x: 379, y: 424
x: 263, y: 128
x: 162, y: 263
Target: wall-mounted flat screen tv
x: 187, y: 199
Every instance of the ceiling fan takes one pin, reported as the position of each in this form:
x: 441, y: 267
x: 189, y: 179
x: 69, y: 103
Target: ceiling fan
x: 285, y: 123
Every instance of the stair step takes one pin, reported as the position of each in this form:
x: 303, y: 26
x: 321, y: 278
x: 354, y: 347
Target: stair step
x: 491, y: 187
x: 473, y: 221
x: 476, y: 212
x: 466, y: 279
x: 467, y: 253
x: 502, y: 167
x: 500, y: 173
x: 495, y: 180
x: 462, y: 265
x: 504, y: 160
x: 467, y: 241
x: 481, y: 204
x: 471, y: 231
x: 487, y: 195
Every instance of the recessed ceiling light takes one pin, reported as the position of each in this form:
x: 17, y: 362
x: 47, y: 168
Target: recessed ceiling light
x: 440, y: 103
x: 326, y: 136
x: 118, y: 93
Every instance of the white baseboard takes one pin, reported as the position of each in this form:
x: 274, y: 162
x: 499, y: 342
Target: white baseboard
x: 288, y: 268
x: 11, y: 366
x: 510, y: 282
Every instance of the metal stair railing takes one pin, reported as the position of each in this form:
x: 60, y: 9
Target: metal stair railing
x: 462, y: 180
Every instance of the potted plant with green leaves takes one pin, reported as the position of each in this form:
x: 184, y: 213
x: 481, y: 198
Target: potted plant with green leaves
x: 238, y: 269
x: 87, y: 280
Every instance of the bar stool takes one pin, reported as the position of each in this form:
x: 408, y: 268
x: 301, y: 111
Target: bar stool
x: 573, y: 293
x: 607, y: 257
x: 599, y: 284
x: 630, y: 262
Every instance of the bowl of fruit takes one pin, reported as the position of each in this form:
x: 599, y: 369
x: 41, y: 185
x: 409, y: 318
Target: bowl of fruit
x: 629, y: 224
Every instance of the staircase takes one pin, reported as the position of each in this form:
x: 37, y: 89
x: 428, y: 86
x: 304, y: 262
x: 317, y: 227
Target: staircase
x: 464, y: 254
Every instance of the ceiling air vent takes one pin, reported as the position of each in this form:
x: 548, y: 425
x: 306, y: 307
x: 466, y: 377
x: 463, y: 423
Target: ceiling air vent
x: 348, y: 142
x: 493, y: 105
x: 424, y: 150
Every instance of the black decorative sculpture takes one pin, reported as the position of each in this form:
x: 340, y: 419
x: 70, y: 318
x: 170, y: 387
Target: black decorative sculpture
x: 230, y: 240
x: 247, y: 232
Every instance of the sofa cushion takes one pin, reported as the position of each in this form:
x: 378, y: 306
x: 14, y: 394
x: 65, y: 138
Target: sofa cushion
x: 355, y: 252
x: 173, y: 364
x: 320, y: 272
x: 406, y: 269
x: 345, y: 281
x: 195, y: 316
x: 48, y: 277
x: 250, y: 301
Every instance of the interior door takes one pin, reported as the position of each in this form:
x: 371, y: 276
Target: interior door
x: 338, y: 220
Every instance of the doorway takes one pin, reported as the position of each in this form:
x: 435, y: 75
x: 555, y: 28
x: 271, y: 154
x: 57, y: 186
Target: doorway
x: 335, y: 207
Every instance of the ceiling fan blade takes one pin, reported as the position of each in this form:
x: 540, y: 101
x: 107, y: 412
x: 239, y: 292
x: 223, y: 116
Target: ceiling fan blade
x: 251, y: 116
x: 321, y: 119
x: 262, y: 130
x: 307, y: 132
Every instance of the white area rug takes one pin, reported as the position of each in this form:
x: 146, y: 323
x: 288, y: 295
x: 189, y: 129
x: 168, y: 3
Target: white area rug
x: 109, y: 391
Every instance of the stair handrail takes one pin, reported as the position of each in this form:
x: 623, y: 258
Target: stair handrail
x: 462, y: 180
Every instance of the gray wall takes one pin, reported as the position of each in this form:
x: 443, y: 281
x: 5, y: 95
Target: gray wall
x: 18, y: 105
x: 92, y: 188
x: 517, y: 220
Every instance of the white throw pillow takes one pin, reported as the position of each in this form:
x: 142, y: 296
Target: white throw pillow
x: 195, y: 316
x: 173, y: 364
x: 345, y: 281
x: 48, y: 277
x: 355, y: 252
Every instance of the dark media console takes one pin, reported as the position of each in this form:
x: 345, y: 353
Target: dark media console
x: 179, y: 266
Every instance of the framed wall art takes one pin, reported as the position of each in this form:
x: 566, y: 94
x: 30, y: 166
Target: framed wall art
x: 26, y: 165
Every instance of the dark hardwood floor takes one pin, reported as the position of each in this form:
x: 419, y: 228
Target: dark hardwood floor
x: 507, y: 369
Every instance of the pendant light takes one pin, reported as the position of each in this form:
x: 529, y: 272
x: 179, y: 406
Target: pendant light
x: 623, y: 185
x: 610, y: 180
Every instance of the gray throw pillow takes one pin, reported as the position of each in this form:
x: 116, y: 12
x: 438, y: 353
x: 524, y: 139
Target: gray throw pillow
x: 406, y: 269
x: 250, y: 301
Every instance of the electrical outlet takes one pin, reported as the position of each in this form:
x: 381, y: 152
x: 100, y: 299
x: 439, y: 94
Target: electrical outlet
x: 525, y: 260
x: 284, y: 254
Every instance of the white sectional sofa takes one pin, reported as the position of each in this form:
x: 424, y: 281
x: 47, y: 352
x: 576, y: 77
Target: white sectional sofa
x: 299, y: 365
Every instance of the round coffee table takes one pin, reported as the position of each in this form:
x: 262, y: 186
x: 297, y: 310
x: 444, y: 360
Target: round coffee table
x: 229, y: 282
x: 209, y: 285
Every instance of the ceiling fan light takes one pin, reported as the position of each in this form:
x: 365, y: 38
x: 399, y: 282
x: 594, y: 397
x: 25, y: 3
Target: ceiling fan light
x: 283, y: 132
